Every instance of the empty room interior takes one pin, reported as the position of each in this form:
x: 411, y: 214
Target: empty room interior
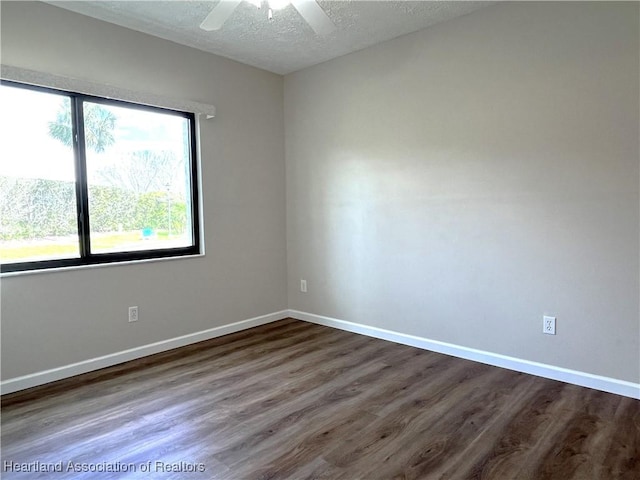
x: 332, y: 240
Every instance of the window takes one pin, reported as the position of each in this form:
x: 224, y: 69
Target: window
x: 87, y: 180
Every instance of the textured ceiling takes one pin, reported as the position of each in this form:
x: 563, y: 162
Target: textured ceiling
x: 286, y: 43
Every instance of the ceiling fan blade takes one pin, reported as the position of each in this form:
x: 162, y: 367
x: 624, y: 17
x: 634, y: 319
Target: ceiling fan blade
x: 219, y: 15
x: 314, y: 15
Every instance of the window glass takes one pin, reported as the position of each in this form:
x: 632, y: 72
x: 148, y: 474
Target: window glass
x: 37, y: 177
x: 138, y: 175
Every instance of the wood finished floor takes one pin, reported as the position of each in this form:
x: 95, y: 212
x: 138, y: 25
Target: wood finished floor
x: 297, y: 400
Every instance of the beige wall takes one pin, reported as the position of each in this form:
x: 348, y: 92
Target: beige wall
x: 460, y: 182
x: 455, y: 184
x: 54, y: 319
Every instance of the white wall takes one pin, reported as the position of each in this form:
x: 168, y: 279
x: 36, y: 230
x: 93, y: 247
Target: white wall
x: 54, y: 319
x: 460, y: 182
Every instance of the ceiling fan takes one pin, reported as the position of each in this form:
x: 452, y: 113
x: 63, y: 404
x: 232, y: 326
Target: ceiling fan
x: 308, y: 9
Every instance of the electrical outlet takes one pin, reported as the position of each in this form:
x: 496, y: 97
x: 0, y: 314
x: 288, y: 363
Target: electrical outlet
x: 303, y: 286
x: 549, y: 325
x: 133, y: 314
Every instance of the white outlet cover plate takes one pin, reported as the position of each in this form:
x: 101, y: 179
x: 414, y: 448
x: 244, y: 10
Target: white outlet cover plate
x: 549, y: 325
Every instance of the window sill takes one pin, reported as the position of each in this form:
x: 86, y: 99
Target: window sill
x: 97, y: 265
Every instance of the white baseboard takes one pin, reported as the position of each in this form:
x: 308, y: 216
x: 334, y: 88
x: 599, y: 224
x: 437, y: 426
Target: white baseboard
x: 40, y: 378
x: 605, y: 384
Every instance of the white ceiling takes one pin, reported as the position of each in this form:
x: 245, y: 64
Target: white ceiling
x: 286, y: 43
